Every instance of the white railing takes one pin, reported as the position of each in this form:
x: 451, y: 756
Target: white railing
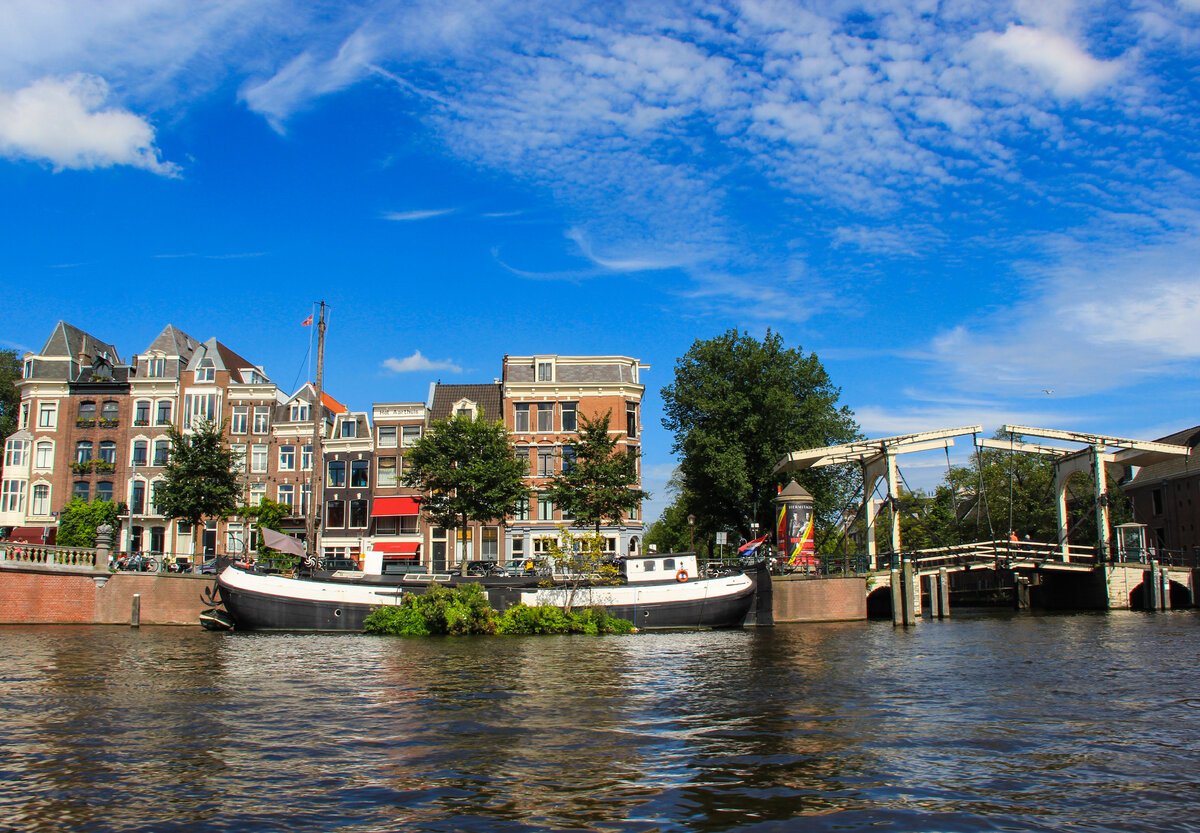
x: 20, y: 554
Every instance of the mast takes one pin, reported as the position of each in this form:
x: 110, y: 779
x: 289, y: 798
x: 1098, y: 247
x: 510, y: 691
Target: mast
x: 317, y: 467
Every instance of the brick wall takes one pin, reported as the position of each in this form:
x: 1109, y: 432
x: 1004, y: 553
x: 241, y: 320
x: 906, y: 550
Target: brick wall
x: 32, y: 597
x: 819, y: 600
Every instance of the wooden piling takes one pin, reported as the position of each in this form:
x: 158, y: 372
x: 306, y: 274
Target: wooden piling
x: 135, y: 611
x: 943, y: 593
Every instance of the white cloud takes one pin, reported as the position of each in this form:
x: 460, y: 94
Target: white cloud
x: 409, y: 216
x: 417, y: 362
x: 62, y: 121
x: 1056, y: 58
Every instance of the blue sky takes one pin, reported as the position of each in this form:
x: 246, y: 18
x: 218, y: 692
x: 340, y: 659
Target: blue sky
x: 957, y: 206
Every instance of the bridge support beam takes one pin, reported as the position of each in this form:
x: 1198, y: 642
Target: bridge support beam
x: 906, y: 595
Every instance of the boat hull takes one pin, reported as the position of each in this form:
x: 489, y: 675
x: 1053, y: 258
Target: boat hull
x: 264, y: 602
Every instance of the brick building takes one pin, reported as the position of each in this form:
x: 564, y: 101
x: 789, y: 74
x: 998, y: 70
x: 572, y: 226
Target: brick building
x: 1166, y: 497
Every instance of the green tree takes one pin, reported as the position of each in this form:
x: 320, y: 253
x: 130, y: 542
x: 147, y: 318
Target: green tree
x: 199, y: 480
x: 10, y: 395
x: 580, y: 560
x: 736, y: 407
x: 268, y: 514
x: 468, y: 471
x: 79, y: 519
x: 601, y: 483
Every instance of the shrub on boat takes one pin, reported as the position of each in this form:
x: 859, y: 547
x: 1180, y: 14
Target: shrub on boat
x: 464, y: 609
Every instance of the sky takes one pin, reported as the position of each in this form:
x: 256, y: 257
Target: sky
x: 971, y: 213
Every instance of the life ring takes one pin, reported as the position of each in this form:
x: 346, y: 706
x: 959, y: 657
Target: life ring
x: 681, y: 575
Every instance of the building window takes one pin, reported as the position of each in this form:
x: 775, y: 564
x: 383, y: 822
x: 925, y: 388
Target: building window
x: 408, y: 524
x: 336, y: 477
x: 262, y: 420
x: 164, y: 412
x: 358, y: 513
x: 104, y: 490
x: 44, y: 456
x: 286, y: 495
x: 545, y: 371
x: 385, y: 526
x: 409, y: 435
x: 570, y: 416
x: 348, y: 428
x: 110, y: 410
x: 240, y: 419
x: 306, y: 458
x: 634, y: 513
x: 207, y: 371
x: 545, y: 462
x: 154, y: 497
x: 287, y: 458
x: 162, y: 449
x: 141, y: 451
x: 521, y: 418
x: 545, y: 416
x: 545, y: 508
x: 568, y: 459
x: 387, y: 436
x: 12, y: 497
x: 40, y: 505
x: 237, y: 458
x: 108, y: 452
x: 631, y: 421
x: 24, y: 419
x: 544, y: 545
x: 27, y: 369
x: 360, y: 474
x: 158, y: 538
x: 83, y: 451
x: 199, y: 407
x: 82, y: 490
x: 522, y: 454
x: 258, y: 491
x: 156, y: 367
x: 522, y: 513
x: 299, y: 412
x: 335, y: 514
x: 47, y: 415
x: 141, y: 412
x: 137, y: 497
x: 258, y: 459
x: 305, y: 499
x: 387, y: 473
x: 517, y: 550
x: 14, y: 454
x: 490, y: 543
x: 87, y: 410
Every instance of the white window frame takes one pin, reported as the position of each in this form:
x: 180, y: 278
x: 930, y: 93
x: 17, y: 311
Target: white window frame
x: 388, y: 436
x: 43, y: 461
x: 263, y: 411
x: 47, y: 415
x: 43, y: 502
x: 410, y: 435
x: 545, y: 408
x: 287, y: 458
x: 12, y: 496
x: 239, y: 419
x: 258, y: 458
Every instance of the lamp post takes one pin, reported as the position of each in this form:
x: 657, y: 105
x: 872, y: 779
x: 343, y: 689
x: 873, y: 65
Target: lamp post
x: 692, y: 533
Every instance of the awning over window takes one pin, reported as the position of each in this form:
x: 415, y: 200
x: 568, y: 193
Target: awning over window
x: 397, y: 549
x: 28, y: 534
x: 387, y: 507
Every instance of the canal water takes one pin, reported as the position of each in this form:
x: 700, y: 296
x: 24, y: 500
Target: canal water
x: 989, y: 721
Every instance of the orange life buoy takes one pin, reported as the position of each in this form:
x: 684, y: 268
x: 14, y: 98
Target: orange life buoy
x: 681, y: 575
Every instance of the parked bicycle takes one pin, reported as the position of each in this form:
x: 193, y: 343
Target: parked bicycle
x: 138, y: 563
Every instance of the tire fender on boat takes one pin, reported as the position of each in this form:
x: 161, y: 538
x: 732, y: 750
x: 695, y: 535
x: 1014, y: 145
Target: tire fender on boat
x: 681, y: 575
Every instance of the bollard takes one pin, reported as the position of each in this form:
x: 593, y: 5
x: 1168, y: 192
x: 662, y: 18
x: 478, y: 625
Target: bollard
x: 944, y: 593
x: 135, y: 611
x: 935, y: 597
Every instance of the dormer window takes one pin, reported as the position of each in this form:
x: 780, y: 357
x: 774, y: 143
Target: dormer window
x: 156, y: 367
x: 465, y: 408
x: 207, y: 371
x: 27, y: 372
x: 348, y: 428
x: 545, y: 371
x: 299, y: 411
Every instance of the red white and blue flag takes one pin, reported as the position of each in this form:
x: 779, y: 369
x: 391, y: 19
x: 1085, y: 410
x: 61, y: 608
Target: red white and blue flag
x: 749, y: 547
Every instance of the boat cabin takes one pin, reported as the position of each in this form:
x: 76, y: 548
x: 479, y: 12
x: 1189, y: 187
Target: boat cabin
x: 668, y: 567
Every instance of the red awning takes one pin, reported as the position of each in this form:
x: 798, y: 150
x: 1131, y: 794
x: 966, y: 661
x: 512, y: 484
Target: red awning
x: 387, y: 507
x: 28, y: 534
x: 397, y: 549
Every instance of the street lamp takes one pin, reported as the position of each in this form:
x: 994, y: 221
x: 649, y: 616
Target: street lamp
x: 692, y: 533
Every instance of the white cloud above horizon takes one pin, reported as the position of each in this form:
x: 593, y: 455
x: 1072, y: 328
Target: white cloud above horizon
x: 419, y: 363
x: 419, y: 214
x: 63, y: 121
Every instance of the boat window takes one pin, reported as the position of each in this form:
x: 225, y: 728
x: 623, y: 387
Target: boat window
x: 648, y: 566
x: 669, y: 564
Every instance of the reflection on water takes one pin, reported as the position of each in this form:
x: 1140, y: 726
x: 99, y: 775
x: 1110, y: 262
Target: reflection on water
x: 982, y: 722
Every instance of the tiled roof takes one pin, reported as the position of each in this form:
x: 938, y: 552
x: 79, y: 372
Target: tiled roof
x: 173, y: 342
x: 1176, y: 466
x: 70, y: 341
x: 487, y: 397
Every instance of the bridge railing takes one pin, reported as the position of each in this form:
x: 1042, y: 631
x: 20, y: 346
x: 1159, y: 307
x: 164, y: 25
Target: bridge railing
x: 68, y: 559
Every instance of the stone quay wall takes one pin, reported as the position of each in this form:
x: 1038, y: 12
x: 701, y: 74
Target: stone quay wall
x: 29, y: 596
x: 819, y: 599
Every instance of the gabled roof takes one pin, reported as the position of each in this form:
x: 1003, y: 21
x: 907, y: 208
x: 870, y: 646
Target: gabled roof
x: 488, y: 397
x: 223, y: 358
x: 173, y: 342
x: 70, y: 341
x: 308, y: 391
